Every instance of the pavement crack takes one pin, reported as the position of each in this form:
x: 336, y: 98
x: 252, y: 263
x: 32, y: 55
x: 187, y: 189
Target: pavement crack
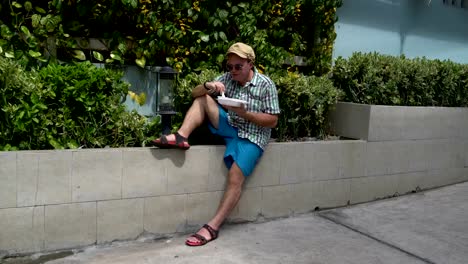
x: 331, y: 219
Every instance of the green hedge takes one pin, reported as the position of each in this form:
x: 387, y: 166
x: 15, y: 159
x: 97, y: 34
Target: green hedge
x: 371, y: 78
x: 66, y: 107
x: 80, y: 105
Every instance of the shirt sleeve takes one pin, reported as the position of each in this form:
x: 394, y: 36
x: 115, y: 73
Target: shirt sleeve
x: 271, y: 102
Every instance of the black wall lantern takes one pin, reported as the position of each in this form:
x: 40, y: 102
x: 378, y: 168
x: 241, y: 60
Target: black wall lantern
x: 165, y: 103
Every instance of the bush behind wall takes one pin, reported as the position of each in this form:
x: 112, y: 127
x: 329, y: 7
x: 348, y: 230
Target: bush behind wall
x: 372, y: 78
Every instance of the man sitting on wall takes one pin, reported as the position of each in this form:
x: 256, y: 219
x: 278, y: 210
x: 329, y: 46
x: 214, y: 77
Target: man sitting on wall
x: 246, y: 129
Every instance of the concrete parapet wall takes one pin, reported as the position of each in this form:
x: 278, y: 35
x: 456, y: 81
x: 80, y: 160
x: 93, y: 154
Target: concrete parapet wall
x: 53, y: 200
x: 389, y: 123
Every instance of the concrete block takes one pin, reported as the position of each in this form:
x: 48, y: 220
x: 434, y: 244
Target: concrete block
x: 420, y: 123
x: 44, y: 177
x: 443, y: 154
x: 320, y: 194
x: 441, y: 177
x: 390, y: 123
x: 143, y: 173
x: 466, y: 152
x: 119, y: 219
x: 409, y: 182
x: 187, y: 171
x: 217, y: 172
x: 376, y: 158
x: 249, y: 206
x: 371, y: 188
x: 458, y: 153
x: 7, y: 179
x: 385, y: 123
x: 277, y: 201
x: 353, y: 157
x: 295, y: 168
x: 463, y: 124
x: 324, y: 162
x: 268, y: 170
x: 54, y: 178
x: 22, y: 230
x: 97, y: 175
x: 351, y: 120
x: 388, y: 157
x: 70, y: 225
x: 201, y: 207
x: 165, y: 214
x: 433, y: 120
x: 27, y: 170
x: 418, y: 157
x: 453, y: 121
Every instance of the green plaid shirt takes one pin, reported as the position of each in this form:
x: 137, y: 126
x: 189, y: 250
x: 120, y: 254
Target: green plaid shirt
x: 261, y: 96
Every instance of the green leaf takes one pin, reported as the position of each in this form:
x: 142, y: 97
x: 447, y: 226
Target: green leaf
x: 222, y: 36
x: 220, y: 58
x: 205, y: 38
x: 34, y: 54
x: 98, y: 56
x: 35, y: 20
x: 133, y: 3
x: 79, y: 54
x: 9, y: 54
x: 115, y: 56
x: 16, y: 4
x: 25, y: 30
x: 54, y: 143
x: 40, y: 10
x: 71, y: 144
x: 41, y: 106
x: 141, y: 62
x: 28, y: 6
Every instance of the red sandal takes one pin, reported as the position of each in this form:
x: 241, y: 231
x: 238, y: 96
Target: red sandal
x: 180, y: 142
x: 201, y: 239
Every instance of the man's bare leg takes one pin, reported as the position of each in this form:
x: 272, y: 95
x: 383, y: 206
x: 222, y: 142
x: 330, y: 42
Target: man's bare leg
x: 203, y: 106
x: 230, y: 199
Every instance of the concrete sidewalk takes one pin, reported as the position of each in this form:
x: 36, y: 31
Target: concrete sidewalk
x: 426, y: 227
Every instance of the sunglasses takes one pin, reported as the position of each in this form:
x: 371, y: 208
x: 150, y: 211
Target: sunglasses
x: 238, y: 67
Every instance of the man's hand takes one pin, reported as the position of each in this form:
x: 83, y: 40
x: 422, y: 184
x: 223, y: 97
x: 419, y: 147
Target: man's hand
x: 215, y: 87
x: 239, y: 110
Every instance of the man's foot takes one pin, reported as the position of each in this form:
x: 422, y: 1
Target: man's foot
x: 171, y: 141
x: 204, y: 235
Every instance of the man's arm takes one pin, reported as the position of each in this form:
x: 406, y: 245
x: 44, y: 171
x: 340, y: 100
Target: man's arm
x: 261, y: 119
x: 199, y: 90
x: 210, y: 88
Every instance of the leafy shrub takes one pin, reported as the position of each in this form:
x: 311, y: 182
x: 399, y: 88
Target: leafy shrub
x: 19, y: 103
x: 305, y: 102
x: 187, y: 35
x: 371, y: 78
x: 66, y: 107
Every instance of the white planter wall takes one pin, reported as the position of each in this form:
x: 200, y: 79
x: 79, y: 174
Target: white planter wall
x: 52, y: 200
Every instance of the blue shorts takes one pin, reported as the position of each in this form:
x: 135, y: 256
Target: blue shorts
x: 240, y: 150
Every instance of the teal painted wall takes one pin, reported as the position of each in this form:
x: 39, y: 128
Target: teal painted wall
x: 415, y: 28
